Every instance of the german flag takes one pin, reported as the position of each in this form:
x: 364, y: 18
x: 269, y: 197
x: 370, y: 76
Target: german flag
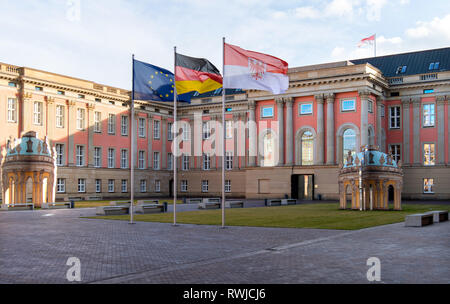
x: 195, y: 74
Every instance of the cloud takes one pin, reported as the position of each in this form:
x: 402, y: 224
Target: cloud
x: 438, y: 28
x: 307, y: 12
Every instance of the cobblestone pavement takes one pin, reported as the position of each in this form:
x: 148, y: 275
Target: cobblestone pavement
x: 35, y: 245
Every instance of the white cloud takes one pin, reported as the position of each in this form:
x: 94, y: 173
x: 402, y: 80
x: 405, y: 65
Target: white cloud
x: 438, y: 28
x: 374, y: 8
x: 307, y: 12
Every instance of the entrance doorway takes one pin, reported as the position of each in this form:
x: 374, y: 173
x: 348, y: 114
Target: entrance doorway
x: 302, y: 186
x: 171, y: 188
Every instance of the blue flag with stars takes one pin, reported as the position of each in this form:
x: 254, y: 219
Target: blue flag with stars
x: 154, y: 83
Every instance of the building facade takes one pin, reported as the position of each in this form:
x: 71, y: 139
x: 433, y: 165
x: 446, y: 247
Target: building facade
x: 292, y: 144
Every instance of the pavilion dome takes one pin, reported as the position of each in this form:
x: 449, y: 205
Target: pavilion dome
x: 371, y: 157
x: 29, y: 145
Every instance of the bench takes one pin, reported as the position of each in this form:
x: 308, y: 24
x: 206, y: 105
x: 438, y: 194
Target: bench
x: 211, y: 200
x: 274, y: 202
x: 147, y: 202
x: 113, y: 210
x: 94, y: 198
x: 206, y: 205
x: 149, y: 208
x: 439, y: 216
x: 286, y: 202
x: 419, y: 220
x: 234, y: 204
x: 194, y: 200
x: 27, y: 206
x: 60, y: 205
x: 119, y: 203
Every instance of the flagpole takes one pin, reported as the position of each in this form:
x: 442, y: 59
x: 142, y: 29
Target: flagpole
x: 132, y: 146
x: 175, y: 131
x: 223, y: 135
x: 375, y: 45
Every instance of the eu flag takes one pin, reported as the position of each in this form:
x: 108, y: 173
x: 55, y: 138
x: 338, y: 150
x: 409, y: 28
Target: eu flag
x: 154, y: 83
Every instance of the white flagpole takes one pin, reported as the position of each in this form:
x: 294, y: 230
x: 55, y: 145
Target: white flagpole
x: 175, y: 131
x: 223, y: 136
x: 132, y: 148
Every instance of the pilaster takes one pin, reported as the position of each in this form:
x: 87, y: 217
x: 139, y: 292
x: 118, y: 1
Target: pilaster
x: 289, y: 132
x: 330, y: 128
x: 280, y: 117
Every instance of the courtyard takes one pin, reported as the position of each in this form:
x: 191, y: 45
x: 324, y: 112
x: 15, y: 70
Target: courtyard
x: 35, y: 246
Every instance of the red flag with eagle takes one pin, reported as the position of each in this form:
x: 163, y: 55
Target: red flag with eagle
x: 367, y: 40
x: 251, y: 70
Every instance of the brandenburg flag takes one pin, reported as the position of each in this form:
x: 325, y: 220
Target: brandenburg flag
x: 195, y: 75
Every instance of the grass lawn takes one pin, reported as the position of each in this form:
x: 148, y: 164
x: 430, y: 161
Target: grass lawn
x: 88, y: 204
x: 322, y: 216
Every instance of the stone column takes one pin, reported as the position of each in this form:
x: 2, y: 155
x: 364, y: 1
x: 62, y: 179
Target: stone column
x: 51, y: 119
x: 214, y: 157
x: 379, y: 142
x: 320, y: 131
x: 280, y: 116
x: 330, y: 129
x: 163, y: 142
x: 235, y: 141
x: 289, y: 132
x: 416, y: 130
x: 253, y: 139
x: 192, y: 140
x: 242, y: 144
x: 405, y: 125
x: 440, y: 106
x: 90, y: 127
x: 71, y: 129
x: 364, y: 96
x: 198, y: 142
x: 149, y: 140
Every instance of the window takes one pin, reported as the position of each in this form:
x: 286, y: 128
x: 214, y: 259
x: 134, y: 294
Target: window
x: 155, y: 160
x: 228, y: 186
x: 228, y: 160
x: 80, y: 119
x: 206, y: 129
x: 98, y: 100
x: 268, y: 150
x: 429, y: 156
x: 59, y: 154
x: 349, y: 143
x: 394, y: 117
x: 428, y: 185
x: 61, y: 185
x: 12, y: 84
x: 170, y: 133
x: 141, y: 161
x: 433, y: 66
x: 185, y: 131
x: 401, y: 69
x: 124, y: 125
x: 124, y: 159
x: 348, y: 105
x: 395, y: 151
x: 305, y: 108
x: 80, y: 156
x: 61, y: 93
x: 111, y: 157
x: 156, y: 129
x: 266, y: 112
x: 81, y: 185
x: 143, y: 185
x: 97, y: 157
x: 370, y: 106
x: 141, y: 125
x: 428, y: 115
x: 12, y: 110
x: 59, y: 116
x: 382, y: 109
x: 229, y: 129
x: 169, y: 161
x: 110, y: 185
x: 37, y: 113
x: 428, y: 91
x: 97, y: 122
x: 39, y: 89
x: 184, y: 186
x: 124, y: 186
x: 81, y: 96
x: 206, y: 161
x: 98, y: 185
x: 157, y: 186
x: 307, y: 148
x: 205, y: 186
x: 112, y: 124
x: 185, y: 163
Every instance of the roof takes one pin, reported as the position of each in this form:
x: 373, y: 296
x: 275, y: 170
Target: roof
x: 415, y: 62
x: 29, y: 145
x: 218, y: 92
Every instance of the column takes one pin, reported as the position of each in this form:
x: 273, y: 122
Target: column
x: 71, y: 129
x: 163, y: 142
x: 440, y: 105
x: 289, y: 132
x: 364, y: 96
x: 50, y: 121
x: 319, y: 129
x: 253, y: 139
x: 214, y: 155
x: 235, y: 141
x: 416, y: 130
x: 242, y: 150
x: 192, y: 139
x: 198, y: 142
x: 149, y: 140
x: 379, y: 142
x: 90, y: 128
x: 405, y: 125
x: 280, y: 116
x: 330, y: 129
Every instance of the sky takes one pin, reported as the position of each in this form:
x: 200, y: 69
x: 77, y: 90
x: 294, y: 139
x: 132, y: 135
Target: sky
x: 95, y: 39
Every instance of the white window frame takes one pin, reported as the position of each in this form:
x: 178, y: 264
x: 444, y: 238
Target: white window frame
x: 205, y: 186
x: 97, y: 157
x: 206, y: 130
x: 111, y: 158
x: 169, y: 161
x: 111, y: 184
x: 343, y: 101
x: 81, y: 114
x: 157, y: 185
x: 60, y: 149
x: 227, y: 186
x: 156, y: 129
x: 37, y: 113
x: 267, y: 115
x: 185, y: 127
x: 370, y: 106
x: 98, y: 186
x: 396, y: 117
x: 12, y: 110
x: 143, y: 185
x: 61, y: 185
x: 228, y: 160
x: 80, y: 155
x: 124, y: 185
x: 97, y: 122
x: 81, y: 185
x: 301, y: 112
x: 60, y: 116
x: 426, y: 183
x: 396, y: 151
x: 382, y: 109
x: 206, y: 161
x: 111, y: 123
x: 141, y: 159
x: 228, y: 129
x: 124, y: 125
x: 170, y: 132
x: 430, y: 155
x: 141, y: 127
x: 429, y: 119
x: 184, y: 185
x: 185, y: 162
x: 124, y: 159
x: 156, y: 160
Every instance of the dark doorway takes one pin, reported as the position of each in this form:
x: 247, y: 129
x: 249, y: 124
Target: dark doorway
x: 391, y: 197
x: 171, y: 188
x: 302, y: 186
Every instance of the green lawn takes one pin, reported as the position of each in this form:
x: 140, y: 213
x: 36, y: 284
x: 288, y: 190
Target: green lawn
x: 88, y: 204
x: 322, y: 216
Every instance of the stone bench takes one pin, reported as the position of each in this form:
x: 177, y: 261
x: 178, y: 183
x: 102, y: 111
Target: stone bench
x: 119, y: 203
x: 205, y: 205
x: 274, y: 202
x: 113, y: 210
x: 94, y: 198
x: 27, y: 206
x: 211, y: 200
x: 419, y: 220
x: 439, y: 216
x: 59, y: 205
x: 285, y: 202
x: 149, y: 208
x: 234, y: 204
x: 194, y: 201
x: 147, y: 202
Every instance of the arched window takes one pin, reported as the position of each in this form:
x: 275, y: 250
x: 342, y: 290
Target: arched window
x: 268, y: 146
x: 349, y: 143
x: 307, y: 148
